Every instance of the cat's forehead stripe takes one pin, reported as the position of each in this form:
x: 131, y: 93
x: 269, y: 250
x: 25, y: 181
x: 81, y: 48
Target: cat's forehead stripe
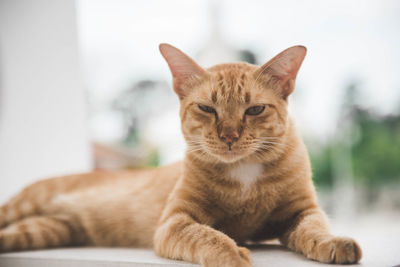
x: 230, y: 86
x: 247, y: 97
x: 214, y: 96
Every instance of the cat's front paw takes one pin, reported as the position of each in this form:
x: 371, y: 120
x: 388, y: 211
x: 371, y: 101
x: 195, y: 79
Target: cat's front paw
x: 237, y: 257
x: 245, y: 256
x: 337, y: 250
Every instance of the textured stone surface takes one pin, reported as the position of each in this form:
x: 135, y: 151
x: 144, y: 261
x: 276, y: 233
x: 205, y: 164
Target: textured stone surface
x: 379, y: 239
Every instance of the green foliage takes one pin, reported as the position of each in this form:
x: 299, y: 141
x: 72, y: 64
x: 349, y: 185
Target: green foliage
x: 321, y: 166
x: 375, y: 155
x: 375, y: 152
x: 153, y: 159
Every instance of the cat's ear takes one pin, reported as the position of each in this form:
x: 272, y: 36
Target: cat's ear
x: 284, y: 67
x: 183, y: 68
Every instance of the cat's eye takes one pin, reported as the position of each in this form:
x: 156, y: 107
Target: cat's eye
x: 206, y: 109
x: 256, y: 110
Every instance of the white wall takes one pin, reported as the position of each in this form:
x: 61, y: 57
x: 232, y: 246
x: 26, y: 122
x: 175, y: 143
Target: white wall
x: 43, y: 128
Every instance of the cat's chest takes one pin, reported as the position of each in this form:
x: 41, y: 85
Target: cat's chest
x: 246, y: 174
x: 245, y: 206
x: 245, y: 195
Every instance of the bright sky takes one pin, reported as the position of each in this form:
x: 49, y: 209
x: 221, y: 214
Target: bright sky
x: 346, y: 40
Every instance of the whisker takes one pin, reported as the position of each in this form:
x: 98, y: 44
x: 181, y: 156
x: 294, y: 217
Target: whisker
x: 267, y: 138
x: 268, y: 142
x: 194, y: 149
x: 270, y: 148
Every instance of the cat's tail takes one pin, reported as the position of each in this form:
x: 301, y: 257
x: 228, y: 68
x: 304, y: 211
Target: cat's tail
x: 22, y: 205
x: 31, y: 200
x: 39, y: 232
x: 36, y: 198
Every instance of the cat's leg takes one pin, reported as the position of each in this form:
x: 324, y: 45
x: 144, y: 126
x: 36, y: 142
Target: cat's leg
x: 41, y: 232
x: 310, y: 236
x: 181, y: 237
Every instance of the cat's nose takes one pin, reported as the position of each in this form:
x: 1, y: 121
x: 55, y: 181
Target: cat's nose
x: 229, y: 137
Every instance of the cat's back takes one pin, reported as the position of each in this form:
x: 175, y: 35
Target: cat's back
x: 100, y: 187
x: 107, y: 178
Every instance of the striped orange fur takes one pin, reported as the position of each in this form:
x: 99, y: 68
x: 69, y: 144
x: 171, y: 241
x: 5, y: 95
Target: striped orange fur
x: 246, y: 176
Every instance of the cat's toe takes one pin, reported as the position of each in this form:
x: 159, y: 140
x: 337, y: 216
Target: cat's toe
x: 338, y: 250
x: 244, y: 254
x: 347, y: 250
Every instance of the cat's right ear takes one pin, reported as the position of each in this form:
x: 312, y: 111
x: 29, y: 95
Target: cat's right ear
x: 183, y: 68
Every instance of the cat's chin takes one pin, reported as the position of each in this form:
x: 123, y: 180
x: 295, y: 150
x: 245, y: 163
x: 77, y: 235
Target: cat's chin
x: 229, y: 156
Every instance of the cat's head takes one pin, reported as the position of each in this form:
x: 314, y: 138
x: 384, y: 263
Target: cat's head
x: 233, y: 111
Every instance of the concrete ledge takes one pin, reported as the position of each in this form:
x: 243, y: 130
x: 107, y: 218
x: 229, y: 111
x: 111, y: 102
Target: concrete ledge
x: 85, y: 257
x: 380, y: 245
x: 262, y: 255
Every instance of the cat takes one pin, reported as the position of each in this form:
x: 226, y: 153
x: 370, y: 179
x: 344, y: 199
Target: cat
x: 246, y: 176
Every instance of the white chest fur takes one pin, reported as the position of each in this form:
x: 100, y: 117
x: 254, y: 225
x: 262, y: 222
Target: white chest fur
x: 247, y: 173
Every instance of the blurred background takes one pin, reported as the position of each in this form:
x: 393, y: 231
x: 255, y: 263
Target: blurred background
x: 83, y: 86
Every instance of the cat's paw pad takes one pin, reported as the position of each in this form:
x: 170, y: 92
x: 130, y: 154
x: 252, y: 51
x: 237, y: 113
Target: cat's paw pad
x: 337, y: 250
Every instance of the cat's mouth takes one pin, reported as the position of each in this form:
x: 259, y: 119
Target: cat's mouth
x: 220, y: 152
x: 228, y: 154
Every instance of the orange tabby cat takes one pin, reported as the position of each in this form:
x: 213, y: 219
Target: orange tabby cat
x: 246, y: 177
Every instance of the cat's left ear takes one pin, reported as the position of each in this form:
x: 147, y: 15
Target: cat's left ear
x: 284, y: 68
x: 184, y: 69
